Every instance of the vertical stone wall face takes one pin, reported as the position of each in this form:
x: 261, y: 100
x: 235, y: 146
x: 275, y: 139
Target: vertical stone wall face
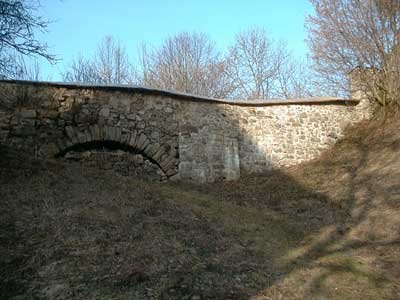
x: 219, y: 141
x: 50, y: 121
x: 194, y: 139
x: 208, y: 142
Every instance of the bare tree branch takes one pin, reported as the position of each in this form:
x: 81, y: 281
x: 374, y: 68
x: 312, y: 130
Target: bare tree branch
x: 18, y: 22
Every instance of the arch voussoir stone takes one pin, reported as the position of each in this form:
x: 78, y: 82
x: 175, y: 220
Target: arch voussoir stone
x: 132, y: 139
x: 92, y: 130
x: 142, y: 141
x: 151, y: 149
x: 125, y: 138
x: 116, y: 134
x: 83, y: 136
x: 106, y: 133
x: 168, y: 162
x: 158, y: 154
x: 88, y: 136
x: 70, y: 132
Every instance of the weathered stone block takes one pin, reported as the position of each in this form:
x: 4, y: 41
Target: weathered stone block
x: 81, y: 137
x: 104, y: 112
x: 24, y: 130
x: 142, y: 142
x: 48, y: 150
x: 171, y: 172
x: 125, y: 138
x: 133, y: 139
x: 4, y: 135
x: 98, y: 133
x: 131, y: 117
x: 168, y: 163
x: 27, y: 113
x: 88, y: 136
x: 117, y: 134
x: 70, y: 132
x: 161, y: 150
x: 168, y: 109
x: 67, y: 116
x: 150, y: 151
x: 107, y: 133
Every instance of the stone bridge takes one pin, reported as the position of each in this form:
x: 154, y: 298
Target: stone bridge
x: 157, y: 134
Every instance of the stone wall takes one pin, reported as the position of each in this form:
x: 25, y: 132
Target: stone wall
x: 161, y: 134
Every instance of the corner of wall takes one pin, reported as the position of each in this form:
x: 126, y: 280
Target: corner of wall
x: 365, y: 108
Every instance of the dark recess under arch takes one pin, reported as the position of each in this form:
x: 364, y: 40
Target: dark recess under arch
x: 107, y: 144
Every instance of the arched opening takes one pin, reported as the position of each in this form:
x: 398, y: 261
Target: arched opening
x: 131, y: 154
x: 110, y: 155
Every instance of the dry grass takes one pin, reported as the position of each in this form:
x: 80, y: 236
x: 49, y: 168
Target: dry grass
x: 329, y: 229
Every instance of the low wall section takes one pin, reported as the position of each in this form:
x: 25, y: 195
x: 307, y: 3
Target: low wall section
x: 159, y: 134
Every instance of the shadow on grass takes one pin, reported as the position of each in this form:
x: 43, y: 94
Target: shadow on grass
x: 340, y: 237
x: 11, y: 260
x: 267, y: 237
x: 89, y: 234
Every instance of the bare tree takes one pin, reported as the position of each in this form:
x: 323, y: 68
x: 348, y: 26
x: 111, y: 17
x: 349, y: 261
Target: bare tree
x: 27, y: 70
x: 110, y: 65
x: 256, y: 62
x: 81, y: 70
x: 112, y: 62
x: 20, y: 68
x: 295, y: 80
x: 345, y: 34
x: 18, y: 23
x: 186, y: 62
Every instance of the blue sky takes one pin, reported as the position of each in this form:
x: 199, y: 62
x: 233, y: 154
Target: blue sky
x: 79, y: 25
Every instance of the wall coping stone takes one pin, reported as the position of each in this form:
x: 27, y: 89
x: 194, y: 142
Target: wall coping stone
x: 186, y: 96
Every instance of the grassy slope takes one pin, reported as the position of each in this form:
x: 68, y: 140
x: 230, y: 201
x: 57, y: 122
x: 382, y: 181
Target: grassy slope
x: 329, y: 229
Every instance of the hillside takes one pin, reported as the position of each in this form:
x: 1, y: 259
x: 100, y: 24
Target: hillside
x: 329, y: 229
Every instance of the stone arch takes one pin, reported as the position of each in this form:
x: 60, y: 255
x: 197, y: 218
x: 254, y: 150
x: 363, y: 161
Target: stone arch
x: 131, y: 141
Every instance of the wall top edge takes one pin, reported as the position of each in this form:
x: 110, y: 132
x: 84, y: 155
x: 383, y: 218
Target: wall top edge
x: 186, y: 96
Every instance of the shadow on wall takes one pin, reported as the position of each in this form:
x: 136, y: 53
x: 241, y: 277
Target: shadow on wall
x: 300, y: 236
x: 185, y: 136
x: 221, y: 141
